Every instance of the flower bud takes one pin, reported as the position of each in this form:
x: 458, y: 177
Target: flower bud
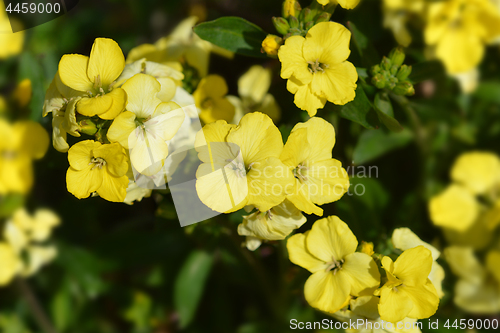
x: 325, y: 17
x: 87, y: 126
x: 309, y: 25
x: 386, y: 63
x: 281, y: 25
x: 404, y: 72
x: 397, y: 56
x: 271, y: 44
x: 367, y: 248
x: 294, y: 22
x: 392, y: 82
x: 394, y: 70
x: 379, y: 81
x: 404, y: 88
x: 376, y: 69
x: 307, y: 15
x: 291, y: 8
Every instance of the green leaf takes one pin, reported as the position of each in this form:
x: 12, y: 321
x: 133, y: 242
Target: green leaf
x: 373, y: 144
x: 359, y: 110
x: 63, y: 308
x: 30, y: 68
x: 385, y: 113
x: 190, y: 284
x: 368, y: 53
x: 234, y: 34
x: 426, y: 70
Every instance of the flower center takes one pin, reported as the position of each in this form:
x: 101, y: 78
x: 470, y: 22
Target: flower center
x: 238, y: 167
x: 98, y: 89
x: 317, y: 66
x: 299, y: 173
x: 334, y: 265
x: 98, y: 162
x: 208, y: 103
x: 8, y: 154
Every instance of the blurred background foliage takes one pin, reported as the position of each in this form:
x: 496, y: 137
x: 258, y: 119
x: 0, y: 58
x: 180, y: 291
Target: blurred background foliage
x: 134, y: 269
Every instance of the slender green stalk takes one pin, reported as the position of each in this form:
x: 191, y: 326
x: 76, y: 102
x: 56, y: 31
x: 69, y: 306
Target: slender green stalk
x: 36, y: 309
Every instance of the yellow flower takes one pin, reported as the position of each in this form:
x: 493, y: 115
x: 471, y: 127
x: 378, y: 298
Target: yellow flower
x: 24, y: 233
x: 405, y: 239
x: 210, y: 97
x: 241, y: 165
x: 367, y: 247
x: 478, y: 288
x: 12, y: 43
x: 253, y: 87
x: 317, y: 68
x: 397, y: 14
x: 271, y: 44
x: 290, y: 8
x: 408, y: 291
x: 346, y: 4
x: 328, y: 251
x: 22, y: 93
x: 95, y: 167
x: 365, y: 308
x: 477, y: 171
x: 460, y: 29
x: 168, y: 76
x: 96, y: 77
x: 319, y: 179
x: 20, y: 143
x: 275, y: 224
x: 11, y: 264
x: 61, y: 101
x: 146, y: 124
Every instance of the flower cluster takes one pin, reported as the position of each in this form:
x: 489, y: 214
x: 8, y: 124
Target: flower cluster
x: 248, y: 166
x: 468, y: 211
x: 22, y: 248
x: 344, y: 281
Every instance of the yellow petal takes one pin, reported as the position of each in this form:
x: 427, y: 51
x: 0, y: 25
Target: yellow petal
x: 328, y: 43
x: 413, y: 266
x: 394, y: 305
x: 148, y: 153
x: 337, y: 83
x: 121, y: 128
x: 10, y: 264
x: 82, y: 183
x: 363, y: 273
x: 296, y: 149
x: 34, y: 139
x: 115, y: 157
x: 113, y: 188
x: 404, y: 239
x: 437, y: 276
x: 257, y: 136
x: 464, y: 263
x: 455, y: 208
x: 106, y: 61
x: 477, y: 171
x: 348, y: 4
x: 493, y: 264
x: 73, y: 72
x: 327, y: 181
x: 305, y: 99
x: 80, y: 154
x: 299, y: 255
x: 270, y: 107
x: 460, y: 50
x: 425, y: 300
x: 292, y: 60
x: 330, y: 238
x: 220, y: 108
x: 326, y: 291
x: 91, y: 106
x: 318, y: 130
x: 255, y: 83
x: 119, y: 97
x: 142, y: 91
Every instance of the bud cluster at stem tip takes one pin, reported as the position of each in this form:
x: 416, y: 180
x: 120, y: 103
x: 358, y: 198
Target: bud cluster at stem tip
x: 392, y: 74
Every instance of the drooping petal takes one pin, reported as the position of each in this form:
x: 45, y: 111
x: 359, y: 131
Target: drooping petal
x: 305, y: 99
x: 106, y: 61
x: 301, y: 199
x: 425, y: 300
x: 119, y: 97
x: 91, y: 106
x: 330, y: 238
x: 73, y: 72
x: 394, y: 305
x: 327, y: 291
x: 363, y: 273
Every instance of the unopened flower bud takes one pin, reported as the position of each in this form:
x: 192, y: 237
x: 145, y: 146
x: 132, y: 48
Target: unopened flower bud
x: 307, y: 15
x: 367, y: 248
x: 376, y: 69
x: 397, y: 56
x: 386, y: 63
x: 309, y: 25
x: 404, y: 88
x: 293, y: 21
x: 392, y: 82
x: 325, y: 17
x: 87, y: 126
x: 271, y: 44
x: 291, y: 8
x: 404, y: 72
x: 281, y: 25
x: 379, y: 81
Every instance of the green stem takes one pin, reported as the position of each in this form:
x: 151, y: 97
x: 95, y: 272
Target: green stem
x: 36, y: 309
